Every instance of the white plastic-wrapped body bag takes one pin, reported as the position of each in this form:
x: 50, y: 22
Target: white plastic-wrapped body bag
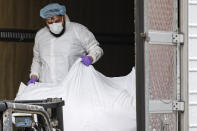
x: 93, y: 102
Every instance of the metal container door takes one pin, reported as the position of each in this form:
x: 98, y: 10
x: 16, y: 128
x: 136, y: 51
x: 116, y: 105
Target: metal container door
x: 161, y: 65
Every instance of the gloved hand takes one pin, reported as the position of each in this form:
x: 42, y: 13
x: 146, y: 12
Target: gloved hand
x: 32, y: 81
x: 86, y: 60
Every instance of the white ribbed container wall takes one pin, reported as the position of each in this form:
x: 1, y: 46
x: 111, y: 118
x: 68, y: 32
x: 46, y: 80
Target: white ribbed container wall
x: 193, y: 65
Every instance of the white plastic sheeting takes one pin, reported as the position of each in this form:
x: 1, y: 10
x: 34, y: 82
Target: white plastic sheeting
x: 93, y: 102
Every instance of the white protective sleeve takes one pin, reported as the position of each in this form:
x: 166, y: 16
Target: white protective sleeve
x: 35, y: 67
x: 89, y: 42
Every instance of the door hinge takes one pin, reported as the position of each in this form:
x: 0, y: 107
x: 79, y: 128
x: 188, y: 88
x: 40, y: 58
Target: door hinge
x: 177, y: 38
x: 178, y: 106
x: 143, y: 35
x: 163, y: 37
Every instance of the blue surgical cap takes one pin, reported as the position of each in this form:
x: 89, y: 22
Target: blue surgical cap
x: 52, y: 10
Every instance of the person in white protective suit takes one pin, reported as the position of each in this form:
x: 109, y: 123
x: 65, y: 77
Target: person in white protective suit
x: 59, y: 44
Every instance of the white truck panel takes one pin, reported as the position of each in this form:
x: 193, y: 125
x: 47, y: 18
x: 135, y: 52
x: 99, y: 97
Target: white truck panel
x: 192, y: 81
x: 192, y: 47
x: 193, y: 29
x: 192, y: 12
x: 193, y: 97
x: 192, y: 65
x: 193, y: 114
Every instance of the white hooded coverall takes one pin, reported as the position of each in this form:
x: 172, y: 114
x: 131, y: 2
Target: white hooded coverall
x: 54, y: 56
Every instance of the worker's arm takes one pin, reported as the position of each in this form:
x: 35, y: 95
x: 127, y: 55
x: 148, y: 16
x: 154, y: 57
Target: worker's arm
x: 35, y: 67
x: 89, y: 43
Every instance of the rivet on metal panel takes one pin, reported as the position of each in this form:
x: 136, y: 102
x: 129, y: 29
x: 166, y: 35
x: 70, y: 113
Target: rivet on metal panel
x: 177, y: 38
x: 178, y: 106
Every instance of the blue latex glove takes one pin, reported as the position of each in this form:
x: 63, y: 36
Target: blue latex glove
x: 86, y: 60
x: 32, y: 81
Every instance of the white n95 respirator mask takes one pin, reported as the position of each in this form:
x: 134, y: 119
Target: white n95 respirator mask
x: 56, y: 28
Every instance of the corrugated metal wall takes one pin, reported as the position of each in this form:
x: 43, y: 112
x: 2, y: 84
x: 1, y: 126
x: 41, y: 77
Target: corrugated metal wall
x: 101, y: 17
